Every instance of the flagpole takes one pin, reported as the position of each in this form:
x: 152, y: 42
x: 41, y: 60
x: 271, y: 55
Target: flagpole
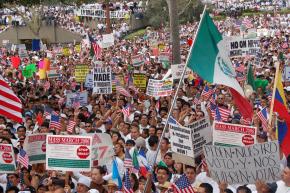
x: 175, y: 95
x: 273, y: 94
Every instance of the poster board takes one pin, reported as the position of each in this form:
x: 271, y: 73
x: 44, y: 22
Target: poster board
x: 35, y: 147
x: 102, y: 80
x: 138, y: 60
x: 81, y: 72
x: 177, y: 70
x: 89, y: 81
x: 159, y: 87
x: 238, y: 46
x: 140, y: 81
x: 78, y: 97
x: 7, y: 159
x: 68, y: 153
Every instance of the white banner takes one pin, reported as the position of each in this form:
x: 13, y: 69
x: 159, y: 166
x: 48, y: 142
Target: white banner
x: 233, y: 135
x: 68, y: 153
x: 159, y: 87
x: 239, y: 46
x: 108, y: 41
x: 89, y: 81
x: 177, y: 70
x: 99, y: 13
x: 102, y: 81
x: 244, y: 165
x: 287, y: 74
x: 80, y: 97
x: 138, y: 60
x: 35, y: 147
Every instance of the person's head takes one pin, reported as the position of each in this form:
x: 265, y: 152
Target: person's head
x: 142, y: 181
x: 144, y: 120
x: 168, y: 159
x: 243, y: 189
x: 134, y: 182
x: 164, y: 144
x: 162, y: 174
x: 153, y: 142
x: 205, y: 188
x: 152, y: 130
x: 119, y: 149
x: 41, y: 189
x: 88, y: 127
x: 135, y: 132
x: 190, y: 173
x: 12, y: 189
x: 130, y: 143
x: 97, y: 174
x: 115, y: 137
x: 13, y: 179
x: 221, y: 99
x: 83, y: 185
x: 21, y: 131
x: 44, y: 127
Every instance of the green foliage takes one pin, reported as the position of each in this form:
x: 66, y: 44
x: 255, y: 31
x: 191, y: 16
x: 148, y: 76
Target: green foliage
x: 138, y: 33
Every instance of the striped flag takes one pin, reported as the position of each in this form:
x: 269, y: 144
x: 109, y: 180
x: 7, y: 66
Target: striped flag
x: 247, y: 23
x: 71, y: 125
x: 122, y: 91
x: 222, y: 114
x: 240, y: 68
x: 97, y: 50
x: 196, y: 100
x: 10, y: 104
x: 263, y: 117
x: 246, y: 121
x: 23, y: 158
x: 55, y: 121
x: 182, y: 185
x: 127, y: 183
x: 126, y: 111
x: 207, y: 92
x: 128, y: 162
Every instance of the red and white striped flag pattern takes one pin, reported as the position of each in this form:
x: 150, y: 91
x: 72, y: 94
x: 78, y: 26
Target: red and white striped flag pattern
x: 97, y: 50
x: 10, y: 104
x: 23, y: 158
x: 71, y: 125
x: 225, y: 113
x: 122, y: 91
x: 126, y: 111
x: 263, y: 117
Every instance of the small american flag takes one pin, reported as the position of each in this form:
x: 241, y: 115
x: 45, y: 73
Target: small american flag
x: 269, y: 97
x: 247, y: 23
x: 182, y: 185
x: 263, y: 117
x: 207, y: 92
x: 122, y: 91
x: 222, y: 114
x: 196, y: 99
x: 126, y: 111
x: 71, y: 125
x: 97, y: 50
x: 246, y: 121
x: 23, y: 158
x: 127, y: 183
x: 240, y: 68
x: 128, y: 162
x: 132, y: 87
x: 55, y: 121
x: 203, y: 165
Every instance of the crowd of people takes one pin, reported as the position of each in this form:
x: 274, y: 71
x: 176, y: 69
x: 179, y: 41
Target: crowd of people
x: 141, y: 128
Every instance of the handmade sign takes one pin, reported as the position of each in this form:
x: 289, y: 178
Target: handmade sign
x: 89, y: 81
x: 35, y: 147
x: 138, y: 60
x: 140, y: 81
x: 81, y: 72
x: 102, y: 81
x: 239, y: 46
x: 53, y: 73
x: 7, y: 159
x: 177, y: 70
x: 159, y: 87
x: 80, y: 97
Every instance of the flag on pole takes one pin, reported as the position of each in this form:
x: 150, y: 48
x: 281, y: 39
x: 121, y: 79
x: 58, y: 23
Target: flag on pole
x: 208, y: 56
x: 54, y: 121
x: 182, y: 185
x: 10, y: 104
x: 263, y: 117
x: 127, y: 183
x: 128, y: 162
x: 126, y: 111
x: 207, y: 92
x: 23, y: 158
x: 71, y: 125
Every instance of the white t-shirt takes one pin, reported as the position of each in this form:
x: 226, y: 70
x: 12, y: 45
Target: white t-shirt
x: 282, y: 187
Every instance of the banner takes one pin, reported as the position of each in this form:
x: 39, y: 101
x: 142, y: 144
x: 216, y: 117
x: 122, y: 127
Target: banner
x: 53, y: 73
x: 138, y: 60
x: 108, y: 41
x: 238, y: 46
x: 23, y: 53
x: 102, y: 81
x: 164, y: 57
x: 89, y: 81
x: 103, y: 149
x: 7, y: 159
x: 140, y: 81
x: 78, y: 48
x: 226, y: 134
x: 177, y: 70
x: 80, y: 98
x: 99, y: 13
x: 158, y: 88
x: 68, y: 153
x: 66, y: 51
x: 35, y: 147
x: 81, y: 72
x: 244, y: 165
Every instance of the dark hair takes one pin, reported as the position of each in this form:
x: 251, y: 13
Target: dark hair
x: 208, y: 188
x: 136, y: 183
x: 153, y: 140
x: 21, y: 127
x: 245, y: 188
x: 101, y: 169
x: 166, y: 139
x: 228, y: 191
x: 1, y: 189
x: 190, y: 167
x: 12, y: 188
x: 163, y: 168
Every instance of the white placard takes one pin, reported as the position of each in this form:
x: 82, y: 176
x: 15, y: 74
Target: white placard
x: 102, y: 80
x: 159, y: 87
x: 35, y: 147
x: 239, y: 46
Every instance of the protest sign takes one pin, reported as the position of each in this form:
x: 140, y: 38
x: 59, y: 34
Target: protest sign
x: 53, y: 73
x: 7, y: 159
x: 244, y: 165
x: 35, y: 147
x: 23, y: 53
x: 287, y: 74
x: 81, y: 72
x: 66, y: 51
x: 102, y: 148
x: 140, y: 81
x: 102, y: 80
x: 108, y: 41
x: 78, y: 48
x: 177, y: 70
x: 68, y: 153
x: 80, y: 98
x: 89, y: 81
x: 99, y: 13
x: 233, y: 135
x: 164, y: 57
x: 159, y: 87
x: 117, y: 78
x: 263, y: 32
x: 239, y: 46
x: 201, y: 135
x: 138, y: 60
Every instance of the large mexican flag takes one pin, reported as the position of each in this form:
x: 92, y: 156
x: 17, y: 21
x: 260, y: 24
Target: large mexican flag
x: 208, y: 57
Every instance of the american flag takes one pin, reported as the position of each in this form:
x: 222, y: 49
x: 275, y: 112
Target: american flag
x: 97, y: 50
x: 203, y: 165
x: 182, y: 185
x: 269, y: 97
x: 128, y: 162
x: 222, y: 114
x: 247, y: 23
x: 122, y: 91
x: 246, y: 121
x: 207, y: 92
x: 23, y: 158
x: 71, y: 125
x: 240, y: 67
x: 196, y: 99
x: 263, y: 117
x: 212, y: 98
x: 126, y: 111
x: 132, y: 87
x: 55, y: 121
x: 127, y: 183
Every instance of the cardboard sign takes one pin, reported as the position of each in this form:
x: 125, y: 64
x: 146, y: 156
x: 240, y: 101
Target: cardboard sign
x: 108, y: 41
x: 140, y: 81
x: 239, y: 46
x: 53, y: 73
x: 35, y: 147
x: 68, y: 153
x: 177, y: 70
x: 226, y: 134
x: 138, y: 60
x: 102, y: 81
x: 244, y: 165
x: 159, y: 87
x: 23, y: 53
x: 66, y: 51
x: 7, y: 159
x: 103, y: 149
x: 81, y: 72
x: 89, y: 81
x: 117, y: 78
x: 287, y: 74
x: 80, y: 97
x: 164, y: 57
x: 78, y: 48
